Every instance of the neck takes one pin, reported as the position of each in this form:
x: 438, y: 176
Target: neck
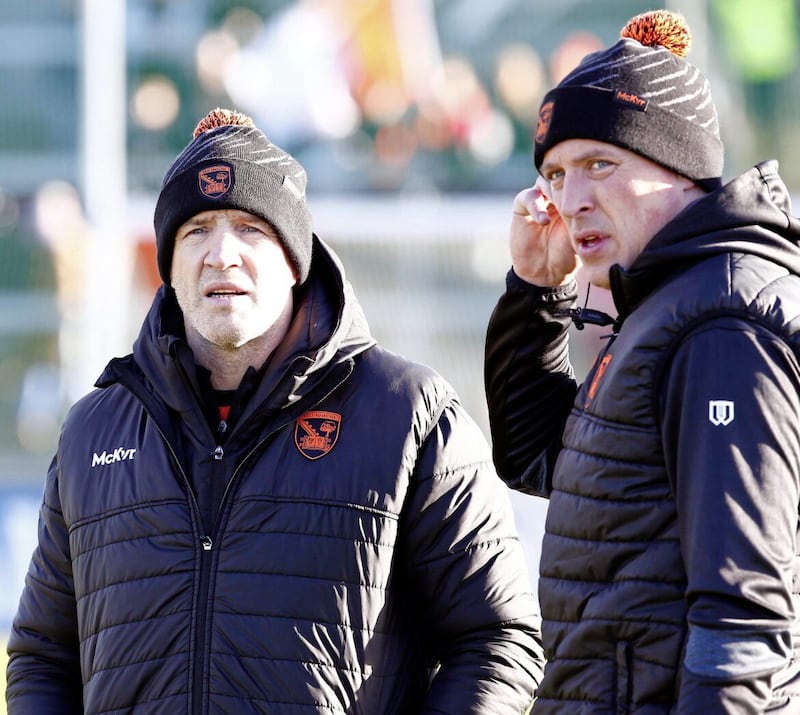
x: 228, y: 364
x: 228, y: 369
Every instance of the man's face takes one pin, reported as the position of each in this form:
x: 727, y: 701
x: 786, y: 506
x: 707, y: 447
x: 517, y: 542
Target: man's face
x: 612, y: 201
x: 231, y: 277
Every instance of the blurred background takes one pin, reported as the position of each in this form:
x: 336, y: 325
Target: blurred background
x: 412, y: 117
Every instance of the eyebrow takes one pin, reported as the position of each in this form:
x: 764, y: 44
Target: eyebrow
x: 202, y: 220
x: 197, y: 221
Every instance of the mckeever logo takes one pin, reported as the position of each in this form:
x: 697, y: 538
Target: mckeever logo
x: 120, y: 454
x: 630, y: 99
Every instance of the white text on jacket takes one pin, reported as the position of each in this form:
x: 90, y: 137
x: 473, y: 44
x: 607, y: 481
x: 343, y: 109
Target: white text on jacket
x: 120, y: 454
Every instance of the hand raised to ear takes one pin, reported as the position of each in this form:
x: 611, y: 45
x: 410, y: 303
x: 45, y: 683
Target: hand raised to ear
x: 541, y: 249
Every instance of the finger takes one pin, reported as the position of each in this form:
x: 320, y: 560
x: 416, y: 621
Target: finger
x: 525, y: 202
x: 545, y: 203
x: 544, y: 210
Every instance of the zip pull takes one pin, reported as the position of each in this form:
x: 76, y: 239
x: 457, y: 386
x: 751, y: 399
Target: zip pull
x: 224, y: 412
x: 206, y: 543
x: 218, y: 453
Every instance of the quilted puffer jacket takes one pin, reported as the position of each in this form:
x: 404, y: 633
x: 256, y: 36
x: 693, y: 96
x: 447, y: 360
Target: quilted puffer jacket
x: 362, y: 558
x: 669, y: 569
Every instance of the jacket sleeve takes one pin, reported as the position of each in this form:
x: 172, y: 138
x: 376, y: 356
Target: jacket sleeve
x: 468, y: 576
x: 530, y: 383
x: 731, y: 434
x: 43, y: 673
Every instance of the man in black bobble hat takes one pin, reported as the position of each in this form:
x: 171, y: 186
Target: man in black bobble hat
x: 644, y: 97
x: 260, y: 509
x: 668, y: 578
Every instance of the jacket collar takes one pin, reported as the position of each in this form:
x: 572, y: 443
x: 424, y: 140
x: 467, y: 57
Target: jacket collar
x: 751, y: 214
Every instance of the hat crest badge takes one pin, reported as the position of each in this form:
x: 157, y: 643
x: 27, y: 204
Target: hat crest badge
x: 215, y: 181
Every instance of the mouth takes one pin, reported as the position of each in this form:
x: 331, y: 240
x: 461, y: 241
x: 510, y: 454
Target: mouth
x: 589, y: 242
x: 224, y: 293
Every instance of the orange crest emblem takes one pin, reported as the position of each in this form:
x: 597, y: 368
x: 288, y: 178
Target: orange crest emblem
x: 598, y: 376
x: 543, y: 123
x: 215, y: 181
x: 316, y: 433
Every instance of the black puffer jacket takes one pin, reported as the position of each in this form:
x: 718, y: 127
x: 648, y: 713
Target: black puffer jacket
x: 669, y: 568
x: 361, y: 541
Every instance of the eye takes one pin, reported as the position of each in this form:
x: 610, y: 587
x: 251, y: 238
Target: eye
x: 600, y: 164
x: 249, y: 228
x: 555, y: 177
x: 191, y: 231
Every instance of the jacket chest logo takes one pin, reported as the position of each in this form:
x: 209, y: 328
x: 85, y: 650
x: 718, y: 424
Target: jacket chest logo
x: 598, y: 376
x: 316, y: 433
x: 111, y: 456
x: 720, y: 412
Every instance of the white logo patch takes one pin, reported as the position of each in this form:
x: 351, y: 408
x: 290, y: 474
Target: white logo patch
x: 119, y: 454
x: 720, y: 412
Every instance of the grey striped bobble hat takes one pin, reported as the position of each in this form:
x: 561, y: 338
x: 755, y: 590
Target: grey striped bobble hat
x: 230, y: 164
x: 643, y: 95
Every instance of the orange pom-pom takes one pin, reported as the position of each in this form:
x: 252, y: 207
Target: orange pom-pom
x: 222, y: 118
x: 660, y: 27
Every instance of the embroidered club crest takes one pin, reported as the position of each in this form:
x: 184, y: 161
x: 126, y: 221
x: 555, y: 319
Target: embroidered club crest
x: 215, y: 181
x: 598, y: 375
x: 316, y: 432
x: 543, y: 122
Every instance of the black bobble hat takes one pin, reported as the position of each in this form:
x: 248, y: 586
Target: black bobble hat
x: 640, y: 94
x: 230, y: 164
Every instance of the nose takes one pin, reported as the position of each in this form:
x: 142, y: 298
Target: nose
x: 224, y: 249
x: 576, y: 195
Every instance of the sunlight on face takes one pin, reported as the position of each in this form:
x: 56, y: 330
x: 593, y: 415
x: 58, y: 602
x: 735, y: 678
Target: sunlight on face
x: 232, y: 278
x: 612, y: 201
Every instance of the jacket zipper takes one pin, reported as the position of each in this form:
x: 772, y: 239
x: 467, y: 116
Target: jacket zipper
x: 204, y: 580
x: 201, y: 661
x: 200, y: 627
